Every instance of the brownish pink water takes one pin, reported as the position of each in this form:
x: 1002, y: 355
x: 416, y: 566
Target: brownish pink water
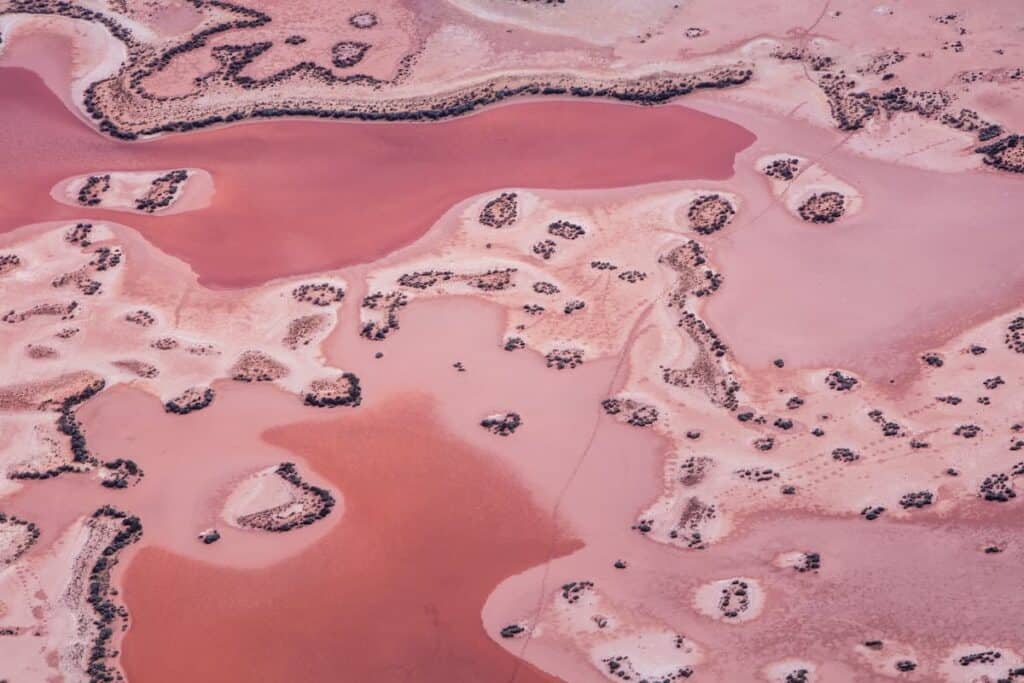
x: 301, y: 196
x: 393, y: 592
x: 390, y: 587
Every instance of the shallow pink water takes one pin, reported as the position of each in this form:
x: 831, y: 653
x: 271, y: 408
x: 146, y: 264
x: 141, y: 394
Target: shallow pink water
x: 401, y: 563
x: 189, y: 466
x: 915, y: 583
x: 392, y: 593
x: 928, y: 255
x: 301, y: 196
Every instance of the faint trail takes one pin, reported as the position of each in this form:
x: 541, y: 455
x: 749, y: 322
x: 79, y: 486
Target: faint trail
x: 795, y: 109
x: 805, y: 38
x: 181, y: 304
x: 623, y: 357
x: 821, y: 15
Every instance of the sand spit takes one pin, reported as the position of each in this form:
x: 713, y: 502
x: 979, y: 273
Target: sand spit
x: 917, y: 87
x: 154, y: 192
x: 276, y: 499
x: 62, y: 616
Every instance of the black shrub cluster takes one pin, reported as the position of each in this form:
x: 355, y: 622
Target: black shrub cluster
x: 100, y: 592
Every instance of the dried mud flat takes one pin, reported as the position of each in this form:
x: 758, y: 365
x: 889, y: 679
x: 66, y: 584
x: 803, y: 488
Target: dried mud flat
x: 557, y: 390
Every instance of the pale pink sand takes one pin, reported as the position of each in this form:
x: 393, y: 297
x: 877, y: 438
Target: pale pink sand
x: 126, y: 187
x: 932, y: 267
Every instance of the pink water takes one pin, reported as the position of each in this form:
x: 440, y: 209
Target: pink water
x: 300, y: 196
x: 928, y: 255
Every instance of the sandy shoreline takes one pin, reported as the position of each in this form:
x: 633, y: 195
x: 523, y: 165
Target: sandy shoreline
x: 164, y: 192
x: 726, y: 388
x: 809, y: 71
x: 346, y: 177
x: 189, y: 318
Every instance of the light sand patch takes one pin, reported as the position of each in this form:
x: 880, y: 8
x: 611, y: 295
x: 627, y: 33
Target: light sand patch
x: 791, y: 671
x: 731, y: 600
x: 968, y: 663
x: 276, y: 499
x: 152, y: 192
x: 890, y: 659
x: 261, y: 491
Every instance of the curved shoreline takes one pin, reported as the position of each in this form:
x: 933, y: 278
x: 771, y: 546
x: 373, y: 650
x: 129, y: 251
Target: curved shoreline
x: 471, y: 99
x: 144, y: 62
x: 359, y: 191
x: 557, y: 396
x: 122, y: 107
x: 158, y: 192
